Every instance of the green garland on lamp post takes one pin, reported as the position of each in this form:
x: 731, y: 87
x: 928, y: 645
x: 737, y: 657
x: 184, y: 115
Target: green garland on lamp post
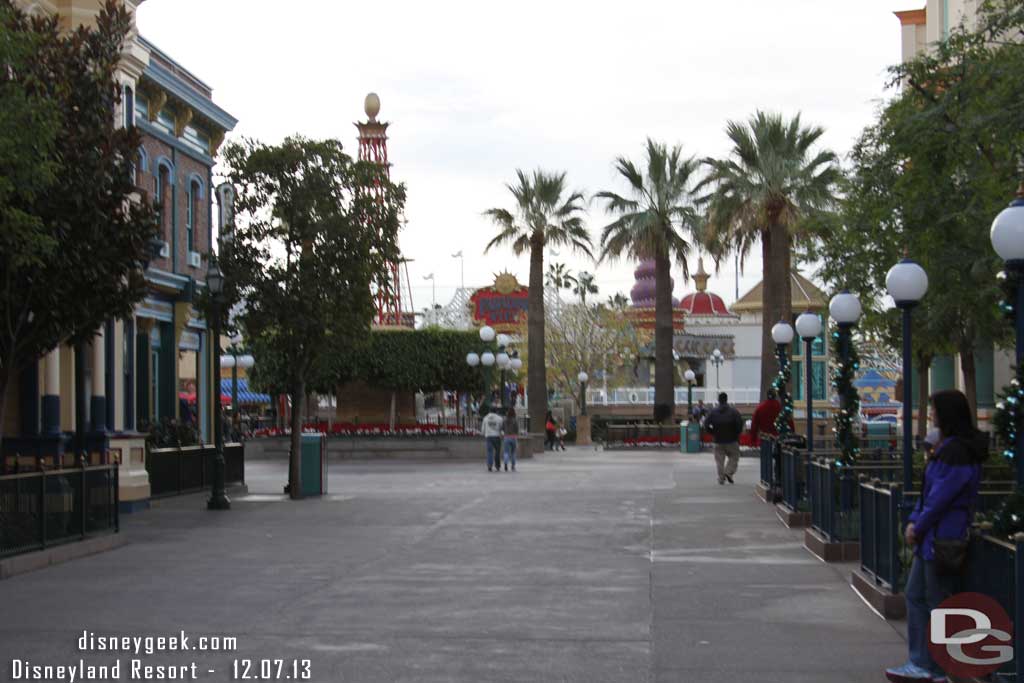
x: 849, y: 400
x: 782, y: 335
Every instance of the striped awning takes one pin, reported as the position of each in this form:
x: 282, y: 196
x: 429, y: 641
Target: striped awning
x: 245, y: 396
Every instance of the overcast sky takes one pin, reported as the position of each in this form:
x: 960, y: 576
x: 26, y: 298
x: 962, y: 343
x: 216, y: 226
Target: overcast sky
x: 474, y: 91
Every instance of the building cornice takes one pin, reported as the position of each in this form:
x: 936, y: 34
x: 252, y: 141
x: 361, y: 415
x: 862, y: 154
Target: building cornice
x: 913, y: 17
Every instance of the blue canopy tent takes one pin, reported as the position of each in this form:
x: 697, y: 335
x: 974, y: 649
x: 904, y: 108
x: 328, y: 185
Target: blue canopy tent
x: 245, y: 395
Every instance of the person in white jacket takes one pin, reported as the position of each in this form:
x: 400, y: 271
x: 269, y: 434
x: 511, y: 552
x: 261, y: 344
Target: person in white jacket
x: 492, y: 428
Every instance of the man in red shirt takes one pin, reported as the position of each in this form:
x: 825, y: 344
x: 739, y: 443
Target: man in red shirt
x: 763, y: 421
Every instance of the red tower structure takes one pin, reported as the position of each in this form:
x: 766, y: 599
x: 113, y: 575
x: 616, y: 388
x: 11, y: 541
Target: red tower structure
x: 373, y: 147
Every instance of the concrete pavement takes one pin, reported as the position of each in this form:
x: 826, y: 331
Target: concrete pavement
x: 582, y: 566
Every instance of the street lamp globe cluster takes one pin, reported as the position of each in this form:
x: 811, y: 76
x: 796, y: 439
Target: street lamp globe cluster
x: 808, y: 326
x: 717, y: 358
x: 503, y: 359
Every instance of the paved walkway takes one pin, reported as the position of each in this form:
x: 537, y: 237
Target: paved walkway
x: 582, y: 566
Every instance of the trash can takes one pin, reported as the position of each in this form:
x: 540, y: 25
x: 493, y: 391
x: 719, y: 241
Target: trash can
x: 689, y: 437
x: 314, y: 464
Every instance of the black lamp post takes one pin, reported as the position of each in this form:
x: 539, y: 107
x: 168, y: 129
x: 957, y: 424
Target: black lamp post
x: 907, y: 283
x: 845, y: 309
x: 1008, y: 241
x: 782, y: 335
x: 218, y: 498
x: 808, y: 326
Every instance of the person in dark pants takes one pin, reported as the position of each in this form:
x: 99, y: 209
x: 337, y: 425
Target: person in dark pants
x: 549, y: 432
x: 941, y: 519
x: 725, y: 424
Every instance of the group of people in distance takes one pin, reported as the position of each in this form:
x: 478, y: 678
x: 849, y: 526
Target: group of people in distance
x: 501, y: 436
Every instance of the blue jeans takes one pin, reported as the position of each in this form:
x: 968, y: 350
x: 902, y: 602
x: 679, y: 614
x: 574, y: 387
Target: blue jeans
x: 924, y: 592
x: 493, y: 451
x: 510, y: 449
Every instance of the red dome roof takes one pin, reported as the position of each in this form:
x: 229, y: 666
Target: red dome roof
x: 704, y: 303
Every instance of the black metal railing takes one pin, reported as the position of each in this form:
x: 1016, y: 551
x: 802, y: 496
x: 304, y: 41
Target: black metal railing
x: 880, y: 506
x: 48, y: 507
x: 794, y: 476
x: 768, y: 446
x: 637, y: 435
x: 174, y: 471
x: 993, y: 569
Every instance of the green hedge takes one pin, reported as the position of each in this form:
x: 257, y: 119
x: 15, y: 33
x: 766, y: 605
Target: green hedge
x: 419, y: 360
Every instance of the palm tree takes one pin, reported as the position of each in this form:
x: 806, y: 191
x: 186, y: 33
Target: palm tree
x: 769, y: 188
x: 584, y: 286
x: 545, y: 213
x: 651, y: 224
x: 559, y: 277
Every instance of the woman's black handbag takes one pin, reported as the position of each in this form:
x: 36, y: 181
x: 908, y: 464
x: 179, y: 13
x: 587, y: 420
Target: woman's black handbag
x: 950, y: 556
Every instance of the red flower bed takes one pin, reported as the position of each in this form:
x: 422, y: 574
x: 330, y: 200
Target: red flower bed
x: 371, y: 429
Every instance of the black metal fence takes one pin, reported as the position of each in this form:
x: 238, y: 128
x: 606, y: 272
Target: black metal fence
x: 174, y: 471
x: 794, y: 475
x: 637, y: 435
x: 40, y: 509
x: 993, y: 570
x: 768, y: 476
x: 880, y: 506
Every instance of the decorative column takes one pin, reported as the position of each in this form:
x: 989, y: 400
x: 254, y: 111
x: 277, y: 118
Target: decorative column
x: 98, y: 402
x: 51, y: 393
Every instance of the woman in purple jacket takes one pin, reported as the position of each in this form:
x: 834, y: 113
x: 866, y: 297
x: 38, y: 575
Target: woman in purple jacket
x: 945, y: 510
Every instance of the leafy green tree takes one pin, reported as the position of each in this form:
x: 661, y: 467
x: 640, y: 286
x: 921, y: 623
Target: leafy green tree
x: 545, y: 213
x: 73, y: 235
x: 771, y: 189
x: 654, y: 222
x: 314, y: 230
x: 928, y: 178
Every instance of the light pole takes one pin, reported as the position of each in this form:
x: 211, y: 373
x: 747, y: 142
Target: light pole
x: 808, y: 326
x: 218, y: 499
x: 1008, y: 241
x: 717, y: 359
x: 782, y: 335
x: 845, y: 309
x: 690, y: 377
x: 907, y: 283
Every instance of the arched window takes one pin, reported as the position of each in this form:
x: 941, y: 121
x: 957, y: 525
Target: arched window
x: 128, y: 106
x: 163, y: 182
x: 195, y: 193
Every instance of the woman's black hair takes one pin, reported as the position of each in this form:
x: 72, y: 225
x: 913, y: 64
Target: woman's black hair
x: 953, y: 414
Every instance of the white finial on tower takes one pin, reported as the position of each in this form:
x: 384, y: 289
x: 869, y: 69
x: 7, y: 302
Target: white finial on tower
x: 371, y: 105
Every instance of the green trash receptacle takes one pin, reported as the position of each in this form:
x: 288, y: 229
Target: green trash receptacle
x: 314, y: 464
x: 689, y: 437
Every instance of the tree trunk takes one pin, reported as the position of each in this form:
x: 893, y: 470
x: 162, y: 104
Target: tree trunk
x: 924, y: 364
x: 536, y: 377
x: 970, y: 375
x: 295, y: 460
x: 664, y: 366
x: 776, y: 297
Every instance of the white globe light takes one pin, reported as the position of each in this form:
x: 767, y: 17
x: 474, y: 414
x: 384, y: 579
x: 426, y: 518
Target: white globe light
x: 246, y: 361
x: 582, y: 377
x: 808, y: 325
x: 472, y: 359
x: 689, y: 376
x: 717, y: 353
x: 227, y: 361
x: 845, y: 308
x: 503, y: 360
x: 487, y: 333
x: 906, y: 282
x: 782, y: 332
x: 487, y: 358
x: 1008, y: 232
x: 517, y: 363
x: 503, y: 340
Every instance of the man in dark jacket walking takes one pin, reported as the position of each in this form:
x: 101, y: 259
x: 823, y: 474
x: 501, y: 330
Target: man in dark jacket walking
x: 725, y: 424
